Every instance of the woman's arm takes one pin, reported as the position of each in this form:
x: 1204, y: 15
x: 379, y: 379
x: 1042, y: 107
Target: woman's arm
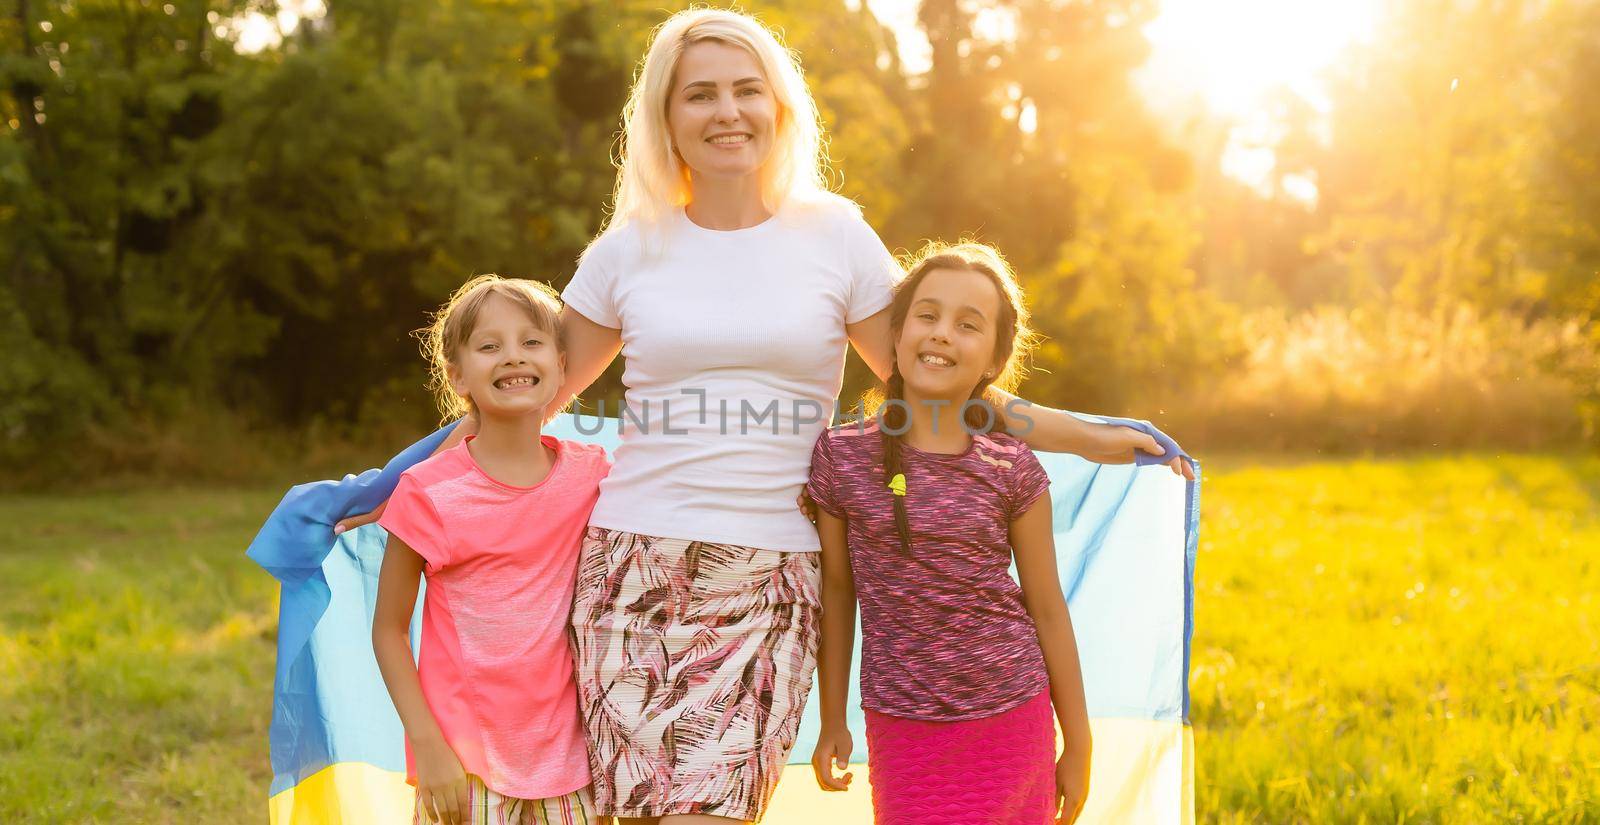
x: 590, y: 348
x: 1042, y: 428
x: 441, y: 781
x: 1058, y: 431
x: 1033, y: 543
x: 834, y: 653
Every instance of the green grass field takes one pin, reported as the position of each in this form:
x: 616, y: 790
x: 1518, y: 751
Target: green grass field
x: 1386, y: 641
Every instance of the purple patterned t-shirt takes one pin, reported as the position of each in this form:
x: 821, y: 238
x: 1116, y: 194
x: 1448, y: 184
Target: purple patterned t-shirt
x: 945, y: 635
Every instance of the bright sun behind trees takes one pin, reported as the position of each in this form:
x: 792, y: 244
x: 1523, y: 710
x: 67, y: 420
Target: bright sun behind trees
x: 226, y: 210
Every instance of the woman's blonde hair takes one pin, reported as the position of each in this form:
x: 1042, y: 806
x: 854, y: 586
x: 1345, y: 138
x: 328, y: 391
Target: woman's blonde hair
x: 652, y: 179
x: 453, y: 324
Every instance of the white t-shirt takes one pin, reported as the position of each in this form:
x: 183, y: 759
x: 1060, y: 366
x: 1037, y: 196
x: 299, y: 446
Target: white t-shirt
x: 734, y: 346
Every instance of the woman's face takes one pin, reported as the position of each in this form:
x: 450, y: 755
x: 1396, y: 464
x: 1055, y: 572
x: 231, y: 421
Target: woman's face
x: 721, y: 112
x: 947, y: 341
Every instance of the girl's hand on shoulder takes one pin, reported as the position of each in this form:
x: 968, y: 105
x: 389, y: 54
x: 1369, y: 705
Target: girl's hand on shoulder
x: 441, y: 783
x: 833, y: 749
x: 1072, y: 785
x: 362, y: 520
x: 468, y: 426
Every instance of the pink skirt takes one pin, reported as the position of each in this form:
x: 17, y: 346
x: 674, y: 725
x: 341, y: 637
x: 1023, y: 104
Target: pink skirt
x: 999, y: 770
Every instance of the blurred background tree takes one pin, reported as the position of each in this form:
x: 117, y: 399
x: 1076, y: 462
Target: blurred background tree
x: 221, y: 219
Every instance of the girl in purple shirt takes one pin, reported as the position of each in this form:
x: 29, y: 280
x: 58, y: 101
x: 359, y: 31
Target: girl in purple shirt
x: 921, y: 512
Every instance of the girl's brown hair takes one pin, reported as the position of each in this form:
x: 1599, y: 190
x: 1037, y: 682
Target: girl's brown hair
x: 1014, y: 342
x: 453, y: 324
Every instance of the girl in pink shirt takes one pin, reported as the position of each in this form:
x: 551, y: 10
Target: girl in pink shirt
x: 489, y: 703
x: 921, y: 513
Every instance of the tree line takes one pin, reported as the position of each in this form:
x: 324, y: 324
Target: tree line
x: 189, y: 226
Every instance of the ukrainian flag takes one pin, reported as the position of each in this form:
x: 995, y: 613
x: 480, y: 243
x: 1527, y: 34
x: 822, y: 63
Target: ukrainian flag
x: 1125, y: 538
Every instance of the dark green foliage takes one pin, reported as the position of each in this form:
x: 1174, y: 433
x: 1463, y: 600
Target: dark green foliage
x: 185, y: 227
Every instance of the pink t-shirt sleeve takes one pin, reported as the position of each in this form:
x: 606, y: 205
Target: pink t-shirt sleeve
x: 412, y: 516
x: 822, y: 487
x: 1028, y: 482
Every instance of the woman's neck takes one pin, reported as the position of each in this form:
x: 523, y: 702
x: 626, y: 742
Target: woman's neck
x: 935, y: 424
x: 509, y: 449
x: 726, y: 204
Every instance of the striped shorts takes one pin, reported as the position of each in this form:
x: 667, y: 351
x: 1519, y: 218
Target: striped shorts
x: 485, y: 807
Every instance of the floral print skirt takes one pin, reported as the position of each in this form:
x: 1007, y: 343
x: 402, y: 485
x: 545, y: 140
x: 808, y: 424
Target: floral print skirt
x: 694, y: 661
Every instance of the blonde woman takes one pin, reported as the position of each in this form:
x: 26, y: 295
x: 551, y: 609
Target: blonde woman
x: 730, y: 279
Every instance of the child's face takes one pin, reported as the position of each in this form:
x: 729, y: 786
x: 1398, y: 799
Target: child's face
x: 947, y: 342
x: 721, y: 112
x: 508, y: 366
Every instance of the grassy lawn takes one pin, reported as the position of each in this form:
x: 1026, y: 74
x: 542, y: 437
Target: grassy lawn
x: 1386, y: 641
x: 136, y: 654
x: 1399, y: 642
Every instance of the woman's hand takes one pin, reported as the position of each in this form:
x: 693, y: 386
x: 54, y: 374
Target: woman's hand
x: 1072, y: 784
x: 833, y: 749
x: 441, y: 782
x: 1120, y: 444
x: 1109, y: 441
x: 468, y: 426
